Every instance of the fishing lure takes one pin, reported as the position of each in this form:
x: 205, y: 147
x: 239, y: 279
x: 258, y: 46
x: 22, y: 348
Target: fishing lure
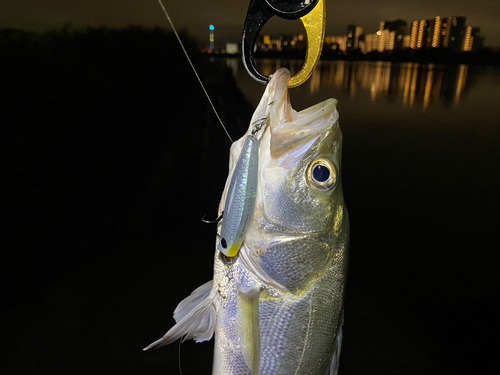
x: 240, y: 198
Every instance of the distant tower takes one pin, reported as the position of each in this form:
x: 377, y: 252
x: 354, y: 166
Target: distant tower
x: 211, y: 38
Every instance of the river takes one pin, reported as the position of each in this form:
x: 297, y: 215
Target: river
x: 406, y: 85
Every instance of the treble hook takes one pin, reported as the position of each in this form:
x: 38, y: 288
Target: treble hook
x: 212, y: 221
x: 312, y: 13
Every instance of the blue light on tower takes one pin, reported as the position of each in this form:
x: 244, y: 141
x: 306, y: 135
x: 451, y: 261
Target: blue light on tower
x: 211, y: 37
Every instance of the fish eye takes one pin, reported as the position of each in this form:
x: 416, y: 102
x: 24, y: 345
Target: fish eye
x: 322, y: 174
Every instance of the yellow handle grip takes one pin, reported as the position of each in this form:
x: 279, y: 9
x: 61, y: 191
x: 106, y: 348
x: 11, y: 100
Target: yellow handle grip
x: 314, y: 24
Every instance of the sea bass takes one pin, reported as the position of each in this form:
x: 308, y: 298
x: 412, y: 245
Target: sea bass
x: 277, y: 306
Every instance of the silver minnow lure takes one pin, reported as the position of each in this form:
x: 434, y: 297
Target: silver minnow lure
x: 240, y: 199
x: 276, y: 307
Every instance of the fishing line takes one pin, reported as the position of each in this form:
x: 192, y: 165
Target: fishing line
x: 180, y: 367
x: 192, y: 66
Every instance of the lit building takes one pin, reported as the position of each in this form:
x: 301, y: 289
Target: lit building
x: 414, y: 34
x: 382, y: 40
x: 276, y: 44
x: 421, y: 37
x: 478, y: 41
x: 439, y: 32
x: 357, y: 34
x: 265, y: 43
x: 469, y: 39
x: 399, y: 29
x: 385, y: 40
x: 436, y: 32
x: 406, y: 41
x: 353, y: 34
x: 422, y: 33
x: 382, y: 37
x: 232, y: 48
x: 457, y: 34
x: 472, y: 40
x: 299, y: 42
x: 336, y: 42
x: 362, y: 45
x: 286, y: 41
x: 445, y: 32
x: 369, y: 42
x: 428, y: 36
x: 449, y: 32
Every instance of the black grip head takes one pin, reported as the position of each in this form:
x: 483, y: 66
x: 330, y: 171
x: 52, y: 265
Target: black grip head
x: 291, y: 9
x: 259, y: 12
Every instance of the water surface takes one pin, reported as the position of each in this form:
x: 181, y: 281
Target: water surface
x: 400, y: 85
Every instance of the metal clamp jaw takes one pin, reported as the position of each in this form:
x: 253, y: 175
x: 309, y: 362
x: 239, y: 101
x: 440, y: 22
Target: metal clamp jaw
x: 312, y: 13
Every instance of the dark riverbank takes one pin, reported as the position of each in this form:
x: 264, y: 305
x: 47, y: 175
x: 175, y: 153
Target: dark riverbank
x: 110, y: 155
x: 484, y: 56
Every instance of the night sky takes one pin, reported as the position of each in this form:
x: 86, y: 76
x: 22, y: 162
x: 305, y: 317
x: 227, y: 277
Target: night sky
x: 228, y: 15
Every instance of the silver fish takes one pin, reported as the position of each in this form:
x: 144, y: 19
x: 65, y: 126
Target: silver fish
x: 277, y: 306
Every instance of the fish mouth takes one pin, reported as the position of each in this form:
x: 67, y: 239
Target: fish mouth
x: 290, y: 133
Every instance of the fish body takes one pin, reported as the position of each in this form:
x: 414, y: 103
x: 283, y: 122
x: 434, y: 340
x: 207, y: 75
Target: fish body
x: 277, y: 306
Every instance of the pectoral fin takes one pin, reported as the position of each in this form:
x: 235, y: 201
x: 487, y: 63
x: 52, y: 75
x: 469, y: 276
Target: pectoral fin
x: 248, y: 324
x: 195, y: 318
x: 251, y: 265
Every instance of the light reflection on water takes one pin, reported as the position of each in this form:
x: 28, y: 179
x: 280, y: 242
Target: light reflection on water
x: 412, y: 84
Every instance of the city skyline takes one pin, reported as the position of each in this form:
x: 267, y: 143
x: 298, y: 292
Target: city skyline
x: 227, y: 16
x: 450, y: 33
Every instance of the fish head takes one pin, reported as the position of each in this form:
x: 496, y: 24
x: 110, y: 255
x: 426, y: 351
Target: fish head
x: 299, y: 186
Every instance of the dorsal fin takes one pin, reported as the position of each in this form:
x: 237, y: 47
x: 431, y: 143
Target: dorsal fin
x: 195, y: 318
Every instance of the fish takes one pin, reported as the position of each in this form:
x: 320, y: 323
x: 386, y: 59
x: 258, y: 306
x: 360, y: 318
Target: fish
x: 276, y: 307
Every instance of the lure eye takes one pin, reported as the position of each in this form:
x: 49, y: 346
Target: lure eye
x: 322, y: 174
x: 223, y: 243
